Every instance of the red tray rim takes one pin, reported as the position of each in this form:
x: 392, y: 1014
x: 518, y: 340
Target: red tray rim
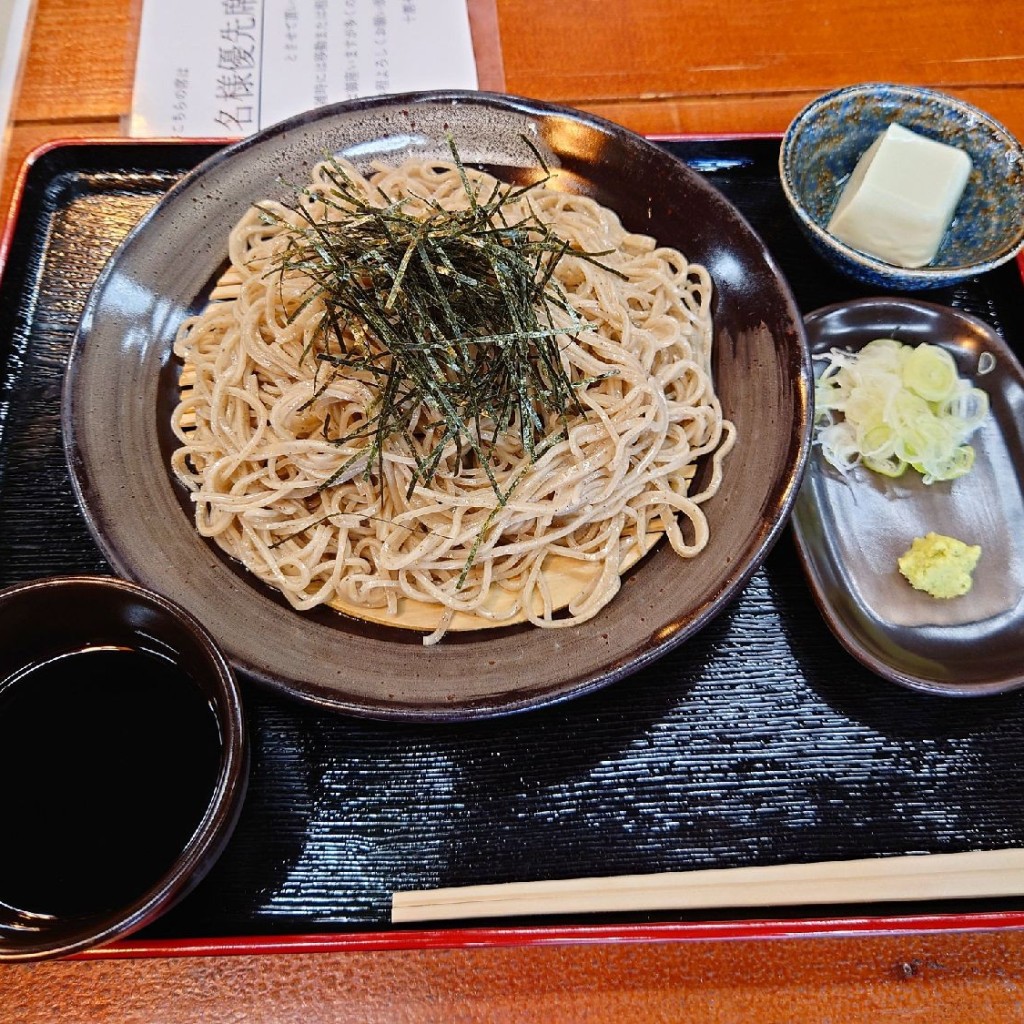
x: 559, y: 935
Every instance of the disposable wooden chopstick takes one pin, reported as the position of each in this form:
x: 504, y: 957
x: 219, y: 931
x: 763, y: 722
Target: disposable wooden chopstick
x: 877, y: 879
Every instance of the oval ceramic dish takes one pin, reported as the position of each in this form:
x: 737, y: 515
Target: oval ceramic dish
x: 850, y: 530
x: 118, y: 449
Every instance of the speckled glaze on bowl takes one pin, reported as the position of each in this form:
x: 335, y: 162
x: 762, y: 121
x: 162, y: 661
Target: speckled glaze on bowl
x: 48, y: 617
x: 827, y: 138
x: 118, y: 449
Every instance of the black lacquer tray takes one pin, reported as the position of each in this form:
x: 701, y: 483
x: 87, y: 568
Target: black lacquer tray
x: 760, y: 741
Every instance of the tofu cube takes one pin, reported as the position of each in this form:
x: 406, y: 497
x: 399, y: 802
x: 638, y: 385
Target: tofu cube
x: 900, y: 199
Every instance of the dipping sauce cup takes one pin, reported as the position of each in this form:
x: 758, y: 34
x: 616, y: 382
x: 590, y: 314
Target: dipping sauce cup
x: 123, y: 761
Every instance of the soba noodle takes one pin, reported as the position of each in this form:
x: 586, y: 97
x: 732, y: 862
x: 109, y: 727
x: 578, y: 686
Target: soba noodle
x: 255, y: 452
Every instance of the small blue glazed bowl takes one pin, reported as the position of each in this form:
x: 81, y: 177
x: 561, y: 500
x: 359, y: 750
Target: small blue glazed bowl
x: 827, y: 138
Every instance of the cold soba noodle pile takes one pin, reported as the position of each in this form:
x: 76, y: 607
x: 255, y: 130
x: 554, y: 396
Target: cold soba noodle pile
x: 435, y: 399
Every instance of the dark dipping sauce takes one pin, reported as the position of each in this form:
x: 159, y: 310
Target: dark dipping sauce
x: 109, y: 758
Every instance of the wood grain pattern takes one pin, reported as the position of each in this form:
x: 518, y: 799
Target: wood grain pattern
x: 767, y: 112
x: 652, y: 50
x: 913, y: 980
x: 81, y: 61
x: 658, y: 67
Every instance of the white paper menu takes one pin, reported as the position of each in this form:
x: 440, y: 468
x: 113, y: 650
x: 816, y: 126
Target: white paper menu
x: 226, y: 68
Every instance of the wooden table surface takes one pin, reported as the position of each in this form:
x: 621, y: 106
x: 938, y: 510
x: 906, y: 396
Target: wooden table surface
x: 657, y: 66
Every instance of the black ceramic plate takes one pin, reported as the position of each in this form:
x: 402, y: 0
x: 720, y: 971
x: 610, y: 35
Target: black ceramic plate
x: 118, y: 449
x: 851, y: 530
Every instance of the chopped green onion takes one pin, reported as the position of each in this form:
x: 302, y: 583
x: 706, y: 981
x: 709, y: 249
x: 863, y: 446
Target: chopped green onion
x: 892, y: 406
